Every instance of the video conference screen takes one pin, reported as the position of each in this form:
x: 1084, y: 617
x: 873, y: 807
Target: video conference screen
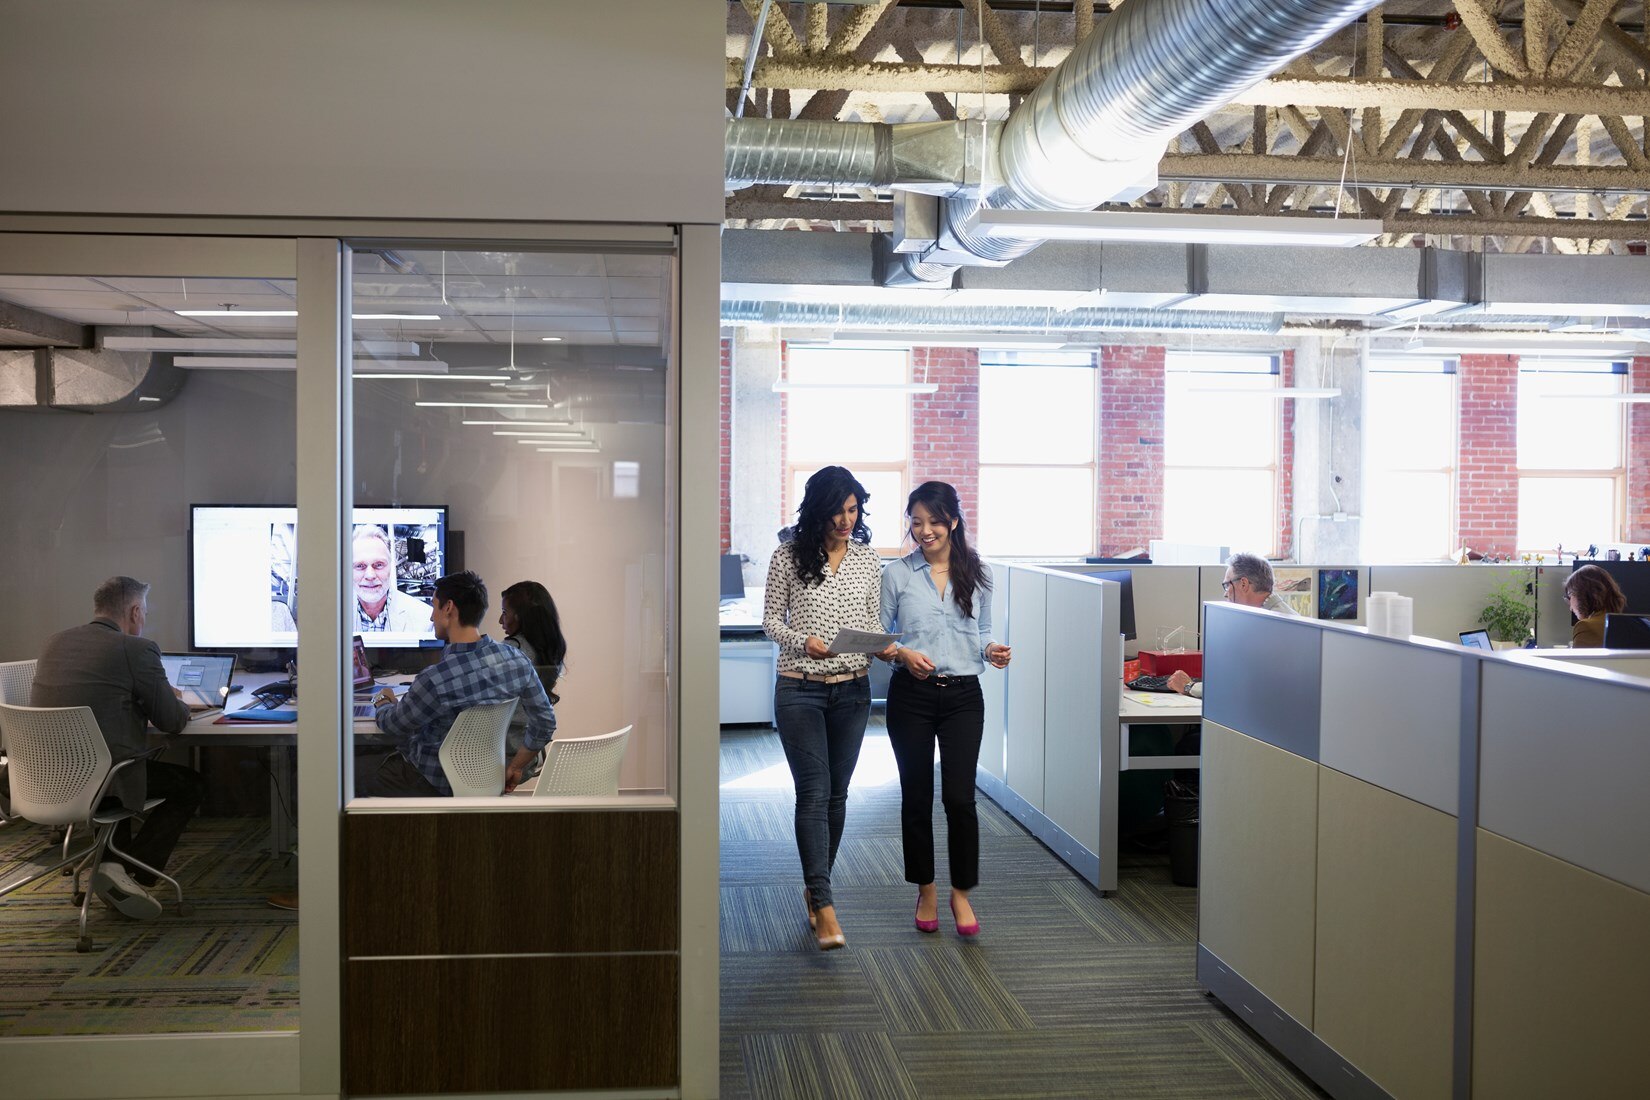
x: 243, y: 575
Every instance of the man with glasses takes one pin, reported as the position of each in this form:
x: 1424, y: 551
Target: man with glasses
x: 1248, y: 581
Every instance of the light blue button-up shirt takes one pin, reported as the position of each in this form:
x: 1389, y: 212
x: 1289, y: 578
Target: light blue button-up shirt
x: 912, y: 606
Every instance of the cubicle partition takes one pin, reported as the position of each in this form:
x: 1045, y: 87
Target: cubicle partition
x: 1423, y: 868
x: 1050, y: 751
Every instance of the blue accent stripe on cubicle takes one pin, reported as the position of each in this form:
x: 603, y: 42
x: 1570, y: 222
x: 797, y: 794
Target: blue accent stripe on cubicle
x: 1282, y: 711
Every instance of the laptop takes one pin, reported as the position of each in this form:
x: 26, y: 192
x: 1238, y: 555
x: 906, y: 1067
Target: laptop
x: 363, y: 670
x: 202, y: 678
x: 1476, y: 639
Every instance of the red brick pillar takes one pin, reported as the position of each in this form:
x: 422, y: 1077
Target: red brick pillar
x: 1638, y: 456
x: 1487, y: 478
x: 726, y: 459
x: 945, y: 424
x: 1129, y: 510
x: 1286, y: 461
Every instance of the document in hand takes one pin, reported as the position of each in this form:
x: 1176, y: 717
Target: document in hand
x: 848, y: 640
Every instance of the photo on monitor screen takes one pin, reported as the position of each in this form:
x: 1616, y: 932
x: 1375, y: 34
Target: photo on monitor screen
x: 243, y: 577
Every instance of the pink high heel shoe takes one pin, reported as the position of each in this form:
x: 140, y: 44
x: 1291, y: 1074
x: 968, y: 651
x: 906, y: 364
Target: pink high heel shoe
x: 925, y: 925
x: 972, y: 929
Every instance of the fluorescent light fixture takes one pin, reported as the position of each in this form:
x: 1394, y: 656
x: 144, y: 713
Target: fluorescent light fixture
x: 865, y: 339
x: 846, y: 387
x: 434, y: 377
x: 569, y: 450
x: 148, y: 399
x: 546, y: 435
x: 236, y: 345
x: 550, y: 339
x: 364, y: 368
x: 294, y: 313
x: 1567, y: 345
x: 1282, y: 393
x: 520, y: 422
x: 1173, y: 228
x: 478, y: 405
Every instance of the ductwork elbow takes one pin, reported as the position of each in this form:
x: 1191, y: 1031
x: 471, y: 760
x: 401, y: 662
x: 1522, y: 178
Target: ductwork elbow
x: 87, y: 380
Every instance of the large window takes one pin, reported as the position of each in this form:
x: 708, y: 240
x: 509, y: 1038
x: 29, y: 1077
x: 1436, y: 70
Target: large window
x: 1037, y: 449
x: 1409, y: 459
x: 1220, y: 450
x: 1571, y: 468
x: 848, y: 411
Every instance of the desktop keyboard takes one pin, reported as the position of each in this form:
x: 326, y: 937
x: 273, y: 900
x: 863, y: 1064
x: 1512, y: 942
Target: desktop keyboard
x: 1149, y: 683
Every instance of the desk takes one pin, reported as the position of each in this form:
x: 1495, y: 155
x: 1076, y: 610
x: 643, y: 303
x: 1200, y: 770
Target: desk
x: 748, y: 662
x: 204, y: 731
x: 1172, y: 710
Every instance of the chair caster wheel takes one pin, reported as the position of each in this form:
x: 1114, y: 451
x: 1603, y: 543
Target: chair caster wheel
x: 83, y: 944
x: 184, y: 909
x: 79, y: 899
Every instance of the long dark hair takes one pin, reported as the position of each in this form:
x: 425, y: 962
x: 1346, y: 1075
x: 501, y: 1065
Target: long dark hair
x: 821, y: 501
x: 967, y: 575
x: 539, y: 622
x: 1595, y: 590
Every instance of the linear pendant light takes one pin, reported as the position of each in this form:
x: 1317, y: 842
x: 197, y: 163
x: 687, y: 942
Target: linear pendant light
x: 783, y: 386
x: 1174, y: 228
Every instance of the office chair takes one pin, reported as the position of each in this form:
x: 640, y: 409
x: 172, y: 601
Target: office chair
x: 16, y: 679
x: 472, y: 753
x: 60, y: 772
x: 583, y: 765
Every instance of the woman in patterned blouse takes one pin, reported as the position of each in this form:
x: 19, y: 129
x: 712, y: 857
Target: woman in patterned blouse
x: 826, y: 578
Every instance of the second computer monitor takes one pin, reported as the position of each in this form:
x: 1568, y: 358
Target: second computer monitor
x: 1125, y: 615
x: 1627, y: 632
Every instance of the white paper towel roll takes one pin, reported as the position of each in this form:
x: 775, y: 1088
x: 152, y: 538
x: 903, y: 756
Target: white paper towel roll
x: 1402, y: 623
x: 1378, y: 611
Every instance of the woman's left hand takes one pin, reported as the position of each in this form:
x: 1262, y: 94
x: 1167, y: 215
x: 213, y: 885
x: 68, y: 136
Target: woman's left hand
x: 998, y: 654
x: 888, y: 654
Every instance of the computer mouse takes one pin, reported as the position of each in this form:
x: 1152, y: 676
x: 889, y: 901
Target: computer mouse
x: 233, y: 688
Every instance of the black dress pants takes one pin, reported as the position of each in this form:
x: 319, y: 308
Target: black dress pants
x: 952, y: 713
x: 183, y: 790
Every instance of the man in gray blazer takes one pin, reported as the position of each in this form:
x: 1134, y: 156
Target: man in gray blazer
x: 107, y: 666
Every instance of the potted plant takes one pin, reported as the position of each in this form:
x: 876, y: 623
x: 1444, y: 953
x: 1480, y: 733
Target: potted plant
x: 1510, y: 614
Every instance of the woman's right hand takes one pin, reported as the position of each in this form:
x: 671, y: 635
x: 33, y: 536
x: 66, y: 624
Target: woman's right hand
x: 917, y: 664
x: 815, y: 649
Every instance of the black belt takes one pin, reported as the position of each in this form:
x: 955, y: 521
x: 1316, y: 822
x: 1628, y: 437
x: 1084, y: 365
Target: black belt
x: 943, y: 681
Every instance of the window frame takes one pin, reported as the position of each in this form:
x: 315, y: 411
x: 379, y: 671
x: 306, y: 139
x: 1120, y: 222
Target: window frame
x: 1615, y: 475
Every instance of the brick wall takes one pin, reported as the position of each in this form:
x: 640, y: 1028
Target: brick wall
x: 726, y: 458
x: 1129, y: 508
x: 945, y: 424
x: 1487, y: 478
x: 1286, y: 460
x: 1638, y: 456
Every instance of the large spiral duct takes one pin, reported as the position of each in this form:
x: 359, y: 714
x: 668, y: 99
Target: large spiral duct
x: 1021, y: 319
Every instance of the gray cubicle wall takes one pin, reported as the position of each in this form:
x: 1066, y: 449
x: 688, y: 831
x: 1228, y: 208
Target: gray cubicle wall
x: 1438, y: 883
x: 1449, y: 598
x: 1057, y: 710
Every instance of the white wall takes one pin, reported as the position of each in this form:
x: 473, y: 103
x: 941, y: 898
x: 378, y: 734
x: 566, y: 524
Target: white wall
x: 559, y: 110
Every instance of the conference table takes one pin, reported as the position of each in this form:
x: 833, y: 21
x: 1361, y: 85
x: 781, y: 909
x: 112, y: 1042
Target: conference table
x: 205, y: 731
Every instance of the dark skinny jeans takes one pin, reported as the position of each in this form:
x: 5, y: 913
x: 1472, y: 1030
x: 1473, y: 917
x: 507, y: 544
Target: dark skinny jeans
x: 821, y: 727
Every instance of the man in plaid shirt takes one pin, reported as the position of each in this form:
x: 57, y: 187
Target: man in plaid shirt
x: 473, y: 670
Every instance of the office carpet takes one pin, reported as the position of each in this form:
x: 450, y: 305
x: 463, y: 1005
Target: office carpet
x: 230, y: 965
x: 1064, y: 994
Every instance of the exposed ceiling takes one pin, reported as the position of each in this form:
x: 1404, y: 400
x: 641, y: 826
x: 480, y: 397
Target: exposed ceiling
x: 1510, y: 127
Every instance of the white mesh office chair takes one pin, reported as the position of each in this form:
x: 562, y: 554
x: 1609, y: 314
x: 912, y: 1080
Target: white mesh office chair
x: 16, y: 678
x: 583, y: 765
x: 60, y: 771
x: 472, y: 753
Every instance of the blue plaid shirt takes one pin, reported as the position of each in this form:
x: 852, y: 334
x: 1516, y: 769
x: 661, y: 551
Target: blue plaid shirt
x: 469, y: 674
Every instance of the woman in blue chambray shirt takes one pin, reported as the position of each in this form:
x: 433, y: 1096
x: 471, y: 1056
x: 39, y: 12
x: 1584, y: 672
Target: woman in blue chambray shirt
x: 939, y: 597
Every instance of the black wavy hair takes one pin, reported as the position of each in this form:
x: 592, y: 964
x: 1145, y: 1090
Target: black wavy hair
x: 967, y: 576
x: 468, y: 592
x: 540, y: 623
x: 821, y: 501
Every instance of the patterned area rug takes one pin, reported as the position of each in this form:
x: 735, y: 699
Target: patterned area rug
x: 1064, y: 994
x: 230, y: 965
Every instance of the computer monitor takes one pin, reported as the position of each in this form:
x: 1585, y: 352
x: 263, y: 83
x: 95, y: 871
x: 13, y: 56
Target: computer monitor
x: 1627, y: 632
x: 243, y: 575
x: 1633, y: 578
x: 1476, y: 639
x: 1125, y: 615
x: 733, y: 577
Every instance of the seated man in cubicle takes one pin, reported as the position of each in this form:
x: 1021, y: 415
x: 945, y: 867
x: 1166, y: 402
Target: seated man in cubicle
x: 106, y: 665
x: 473, y: 670
x: 1248, y: 581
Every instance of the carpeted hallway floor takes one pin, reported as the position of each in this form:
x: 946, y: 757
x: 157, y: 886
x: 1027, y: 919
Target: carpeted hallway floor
x: 1064, y: 994
x: 230, y: 965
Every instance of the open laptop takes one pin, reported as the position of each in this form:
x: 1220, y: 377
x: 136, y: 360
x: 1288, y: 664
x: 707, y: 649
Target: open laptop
x: 202, y: 678
x: 1476, y: 639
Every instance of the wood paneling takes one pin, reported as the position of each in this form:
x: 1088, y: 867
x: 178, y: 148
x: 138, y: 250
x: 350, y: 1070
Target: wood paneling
x: 421, y: 1026
x: 505, y: 883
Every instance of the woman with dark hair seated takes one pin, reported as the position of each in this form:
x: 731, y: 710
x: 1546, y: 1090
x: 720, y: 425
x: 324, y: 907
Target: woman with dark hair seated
x: 532, y: 624
x: 1593, y: 594
x: 824, y: 579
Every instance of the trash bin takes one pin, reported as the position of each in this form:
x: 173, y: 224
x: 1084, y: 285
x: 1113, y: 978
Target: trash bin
x: 1180, y: 808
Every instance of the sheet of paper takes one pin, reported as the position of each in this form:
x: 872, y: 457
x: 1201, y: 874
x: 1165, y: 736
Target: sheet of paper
x: 1158, y: 699
x: 848, y: 640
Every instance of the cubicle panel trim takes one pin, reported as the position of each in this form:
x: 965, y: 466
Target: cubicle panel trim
x: 1284, y: 713
x: 1409, y: 741
x: 1466, y: 874
x: 1563, y: 756
x: 1294, y: 1040
x: 1063, y: 844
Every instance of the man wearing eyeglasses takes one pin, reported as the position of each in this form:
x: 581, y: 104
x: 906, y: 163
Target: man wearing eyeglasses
x: 1248, y: 581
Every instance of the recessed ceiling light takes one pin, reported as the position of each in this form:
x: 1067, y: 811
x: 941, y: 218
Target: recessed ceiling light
x: 568, y: 450
x: 236, y: 312
x: 575, y: 434
x: 434, y: 377
x: 396, y: 316
x: 520, y: 422
x: 477, y: 405
x: 550, y: 339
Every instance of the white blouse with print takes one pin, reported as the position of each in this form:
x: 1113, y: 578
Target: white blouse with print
x: 792, y: 609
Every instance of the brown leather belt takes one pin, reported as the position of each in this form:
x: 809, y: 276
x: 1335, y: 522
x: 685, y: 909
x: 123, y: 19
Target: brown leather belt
x: 822, y: 678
